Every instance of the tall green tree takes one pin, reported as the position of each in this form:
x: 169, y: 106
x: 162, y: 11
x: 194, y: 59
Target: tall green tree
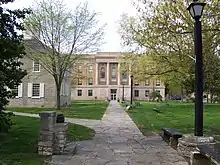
x: 164, y: 30
x: 65, y: 36
x: 11, y: 50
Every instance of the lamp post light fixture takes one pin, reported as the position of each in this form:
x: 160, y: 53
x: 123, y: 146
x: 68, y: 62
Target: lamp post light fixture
x: 196, y: 10
x: 131, y: 89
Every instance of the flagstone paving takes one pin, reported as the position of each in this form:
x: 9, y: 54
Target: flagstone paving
x: 118, y: 141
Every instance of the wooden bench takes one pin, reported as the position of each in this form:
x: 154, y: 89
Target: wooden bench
x: 206, y: 154
x: 171, y: 135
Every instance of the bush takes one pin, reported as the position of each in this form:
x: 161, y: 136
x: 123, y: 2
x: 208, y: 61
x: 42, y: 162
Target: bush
x: 216, y: 99
x: 5, y: 121
x: 137, y: 104
x: 155, y: 96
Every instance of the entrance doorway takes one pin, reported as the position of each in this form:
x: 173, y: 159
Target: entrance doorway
x: 113, y: 94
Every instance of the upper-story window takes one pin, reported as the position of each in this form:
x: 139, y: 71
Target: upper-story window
x: 136, y: 83
x: 80, y: 68
x: 79, y: 81
x: 113, y: 73
x: 102, y: 73
x: 147, y: 82
x: 90, y: 81
x: 90, y: 68
x: 157, y: 82
x: 36, y: 66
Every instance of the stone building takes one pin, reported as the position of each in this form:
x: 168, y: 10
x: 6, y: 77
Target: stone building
x: 38, y: 86
x: 102, y: 79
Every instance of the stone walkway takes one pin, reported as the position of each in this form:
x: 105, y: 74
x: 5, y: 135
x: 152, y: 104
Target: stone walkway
x: 86, y: 122
x: 118, y: 141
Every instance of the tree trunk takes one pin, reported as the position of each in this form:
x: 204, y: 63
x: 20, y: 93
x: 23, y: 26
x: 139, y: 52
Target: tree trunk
x: 181, y: 92
x: 207, y: 95
x: 58, y: 97
x: 211, y: 97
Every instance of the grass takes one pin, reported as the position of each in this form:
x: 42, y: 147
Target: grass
x: 79, y: 109
x: 19, y: 146
x: 151, y: 117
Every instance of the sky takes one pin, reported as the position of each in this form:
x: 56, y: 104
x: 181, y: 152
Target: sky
x: 110, y: 10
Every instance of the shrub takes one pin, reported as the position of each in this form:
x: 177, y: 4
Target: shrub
x: 155, y: 95
x: 5, y: 121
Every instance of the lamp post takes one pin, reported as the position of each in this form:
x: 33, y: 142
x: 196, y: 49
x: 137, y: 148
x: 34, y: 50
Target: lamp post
x: 123, y: 92
x: 131, y: 89
x: 196, y: 10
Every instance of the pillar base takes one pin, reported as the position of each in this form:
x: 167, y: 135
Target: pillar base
x: 189, y: 142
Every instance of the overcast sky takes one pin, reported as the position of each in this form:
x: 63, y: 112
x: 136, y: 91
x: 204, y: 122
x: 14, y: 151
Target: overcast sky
x: 110, y: 10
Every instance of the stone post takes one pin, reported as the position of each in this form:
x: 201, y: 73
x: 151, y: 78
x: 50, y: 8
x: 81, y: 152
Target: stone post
x: 188, y: 143
x: 60, y: 137
x: 46, y: 138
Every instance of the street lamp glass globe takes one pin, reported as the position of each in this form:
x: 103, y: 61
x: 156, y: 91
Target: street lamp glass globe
x: 196, y: 9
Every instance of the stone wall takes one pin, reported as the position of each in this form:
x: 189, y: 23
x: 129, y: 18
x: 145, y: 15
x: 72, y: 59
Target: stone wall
x: 52, y: 138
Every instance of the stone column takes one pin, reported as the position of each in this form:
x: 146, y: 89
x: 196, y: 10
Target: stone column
x: 60, y: 137
x: 119, y: 75
x: 46, y: 139
x: 107, y: 75
x: 97, y: 73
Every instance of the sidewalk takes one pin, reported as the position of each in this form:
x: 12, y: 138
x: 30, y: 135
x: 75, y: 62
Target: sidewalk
x: 118, y: 141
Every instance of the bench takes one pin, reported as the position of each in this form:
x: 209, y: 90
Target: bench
x: 206, y: 154
x: 171, y: 135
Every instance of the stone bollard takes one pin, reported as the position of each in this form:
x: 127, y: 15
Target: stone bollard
x: 60, y: 137
x: 188, y: 143
x: 46, y: 139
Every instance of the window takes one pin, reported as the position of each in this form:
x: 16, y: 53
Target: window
x: 80, y: 68
x: 89, y: 92
x: 113, y: 72
x: 36, y: 66
x: 136, y: 84
x: 90, y: 81
x: 136, y: 93
x: 157, y: 82
x: 124, y: 76
x: 15, y: 91
x: 147, y: 82
x: 79, y: 92
x: 147, y: 92
x: 79, y: 81
x: 36, y: 90
x: 90, y: 68
x: 102, y: 73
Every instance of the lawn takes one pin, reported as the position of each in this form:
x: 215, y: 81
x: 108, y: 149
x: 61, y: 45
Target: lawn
x: 176, y: 115
x: 19, y: 146
x: 79, y: 109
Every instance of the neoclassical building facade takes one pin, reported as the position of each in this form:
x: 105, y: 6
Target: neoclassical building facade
x: 99, y: 76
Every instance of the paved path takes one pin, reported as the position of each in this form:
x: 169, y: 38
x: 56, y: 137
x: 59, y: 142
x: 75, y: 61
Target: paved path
x: 118, y: 141
x: 86, y: 122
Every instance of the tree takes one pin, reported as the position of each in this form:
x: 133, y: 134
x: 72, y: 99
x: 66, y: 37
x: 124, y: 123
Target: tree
x: 11, y: 50
x: 164, y: 30
x: 65, y: 35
